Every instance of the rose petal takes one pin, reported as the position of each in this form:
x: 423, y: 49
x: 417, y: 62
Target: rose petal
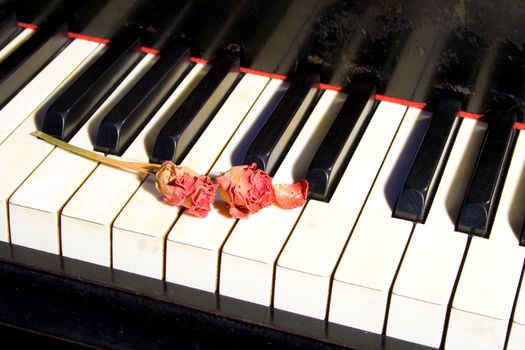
x: 291, y: 196
x: 238, y: 212
x: 198, y: 203
x: 224, y: 184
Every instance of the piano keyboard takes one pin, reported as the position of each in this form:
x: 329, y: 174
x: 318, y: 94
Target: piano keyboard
x: 347, y: 260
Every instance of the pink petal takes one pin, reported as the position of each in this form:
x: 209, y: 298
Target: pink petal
x: 238, y: 213
x: 291, y: 196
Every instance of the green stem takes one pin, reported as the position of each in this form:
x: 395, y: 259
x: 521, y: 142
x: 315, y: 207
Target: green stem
x: 147, y: 168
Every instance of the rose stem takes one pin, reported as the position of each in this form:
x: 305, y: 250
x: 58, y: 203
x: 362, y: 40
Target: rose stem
x: 147, y: 168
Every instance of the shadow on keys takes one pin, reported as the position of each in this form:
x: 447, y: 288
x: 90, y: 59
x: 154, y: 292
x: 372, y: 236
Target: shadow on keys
x: 27, y: 339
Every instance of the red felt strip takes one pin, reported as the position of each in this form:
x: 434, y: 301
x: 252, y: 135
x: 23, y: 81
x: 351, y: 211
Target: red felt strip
x: 408, y: 103
x: 199, y: 60
x: 149, y: 50
x: 519, y: 126
x: 88, y: 38
x: 262, y: 73
x: 27, y: 25
x: 475, y: 116
x: 322, y: 86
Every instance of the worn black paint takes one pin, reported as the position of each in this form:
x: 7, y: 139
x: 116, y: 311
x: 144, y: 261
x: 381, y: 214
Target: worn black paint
x: 97, y: 306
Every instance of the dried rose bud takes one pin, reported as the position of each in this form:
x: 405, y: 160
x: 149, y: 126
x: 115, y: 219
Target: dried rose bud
x: 291, y: 196
x: 246, y: 189
x: 181, y: 186
x: 175, y: 182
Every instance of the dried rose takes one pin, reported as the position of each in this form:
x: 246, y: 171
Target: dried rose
x: 246, y: 189
x: 200, y: 200
x: 291, y: 196
x: 175, y: 182
x: 181, y: 186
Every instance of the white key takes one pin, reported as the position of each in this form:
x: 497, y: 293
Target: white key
x: 35, y: 207
x: 21, y: 164
x: 488, y: 283
x: 508, y: 228
x: 517, y: 330
x: 485, y: 295
x: 30, y: 100
x: 87, y: 217
x: 362, y: 169
x: 15, y: 43
x: 304, y: 270
x: 366, y: 271
x: 306, y: 265
x: 426, y: 278
x: 140, y: 230
x: 509, y: 218
x: 200, y: 253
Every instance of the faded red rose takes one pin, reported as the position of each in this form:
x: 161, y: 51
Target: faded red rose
x: 181, y: 186
x: 175, y: 182
x: 291, y: 196
x: 246, y: 189
x: 200, y: 200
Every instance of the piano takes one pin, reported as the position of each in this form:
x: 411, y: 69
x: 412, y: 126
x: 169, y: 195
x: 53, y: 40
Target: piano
x: 405, y: 117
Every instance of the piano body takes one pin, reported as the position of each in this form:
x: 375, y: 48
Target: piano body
x: 405, y: 117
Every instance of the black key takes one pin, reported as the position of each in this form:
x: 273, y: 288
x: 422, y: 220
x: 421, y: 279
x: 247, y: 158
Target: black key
x: 421, y: 182
x: 522, y: 239
x: 8, y: 27
x: 67, y: 114
x: 481, y: 199
x: 29, y: 58
x: 340, y: 142
x: 129, y: 116
x: 276, y: 136
x: 179, y: 133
